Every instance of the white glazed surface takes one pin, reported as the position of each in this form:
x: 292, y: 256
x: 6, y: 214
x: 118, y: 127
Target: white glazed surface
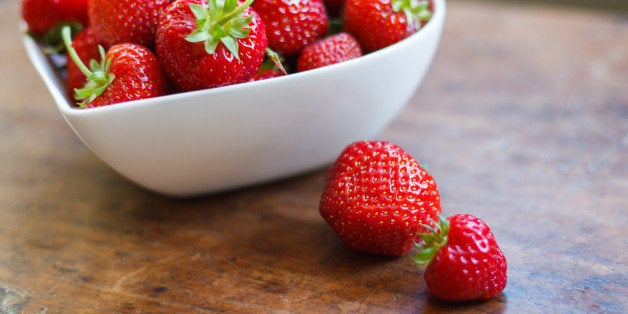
x: 222, y: 138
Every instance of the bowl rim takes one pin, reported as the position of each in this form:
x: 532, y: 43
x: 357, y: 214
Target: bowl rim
x: 55, y: 84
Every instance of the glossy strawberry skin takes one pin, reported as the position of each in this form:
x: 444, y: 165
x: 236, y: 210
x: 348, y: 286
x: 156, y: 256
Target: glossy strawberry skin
x: 86, y: 45
x: 42, y: 16
x: 374, y: 23
x: 138, y: 75
x: 292, y: 25
x: 190, y: 66
x: 132, y: 21
x: 377, y: 197
x: 334, y: 49
x: 470, y: 266
x: 267, y: 74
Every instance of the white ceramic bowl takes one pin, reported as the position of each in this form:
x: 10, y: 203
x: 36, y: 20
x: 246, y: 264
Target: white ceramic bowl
x: 223, y: 138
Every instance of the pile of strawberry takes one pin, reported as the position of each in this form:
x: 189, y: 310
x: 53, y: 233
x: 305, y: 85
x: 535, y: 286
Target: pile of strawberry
x: 132, y: 49
x: 379, y: 200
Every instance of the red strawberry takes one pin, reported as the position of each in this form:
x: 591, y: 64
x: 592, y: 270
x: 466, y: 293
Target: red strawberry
x: 377, y: 197
x: 292, y: 25
x: 132, y: 21
x: 86, y: 45
x: 380, y: 23
x: 42, y: 16
x: 334, y: 49
x: 264, y: 74
x: 203, y: 47
x: 463, y: 260
x: 126, y: 72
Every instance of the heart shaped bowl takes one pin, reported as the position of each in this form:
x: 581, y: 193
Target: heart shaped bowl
x: 223, y: 138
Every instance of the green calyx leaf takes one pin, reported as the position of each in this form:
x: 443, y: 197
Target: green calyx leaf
x: 273, y: 60
x: 416, y: 11
x: 220, y: 22
x: 98, y: 76
x: 431, y: 241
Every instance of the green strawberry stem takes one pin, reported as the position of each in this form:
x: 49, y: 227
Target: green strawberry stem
x: 276, y: 60
x: 220, y: 22
x: 432, y: 241
x: 98, y: 76
x: 415, y: 11
x: 53, y: 39
x: 237, y: 10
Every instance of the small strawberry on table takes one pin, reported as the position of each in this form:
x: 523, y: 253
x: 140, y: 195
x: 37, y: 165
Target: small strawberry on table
x: 462, y: 258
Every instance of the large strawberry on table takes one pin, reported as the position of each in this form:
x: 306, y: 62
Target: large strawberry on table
x: 377, y: 198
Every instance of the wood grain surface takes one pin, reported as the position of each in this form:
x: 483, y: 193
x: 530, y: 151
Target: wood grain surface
x: 522, y: 120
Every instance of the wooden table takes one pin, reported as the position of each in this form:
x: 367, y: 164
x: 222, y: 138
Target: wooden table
x: 522, y: 120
